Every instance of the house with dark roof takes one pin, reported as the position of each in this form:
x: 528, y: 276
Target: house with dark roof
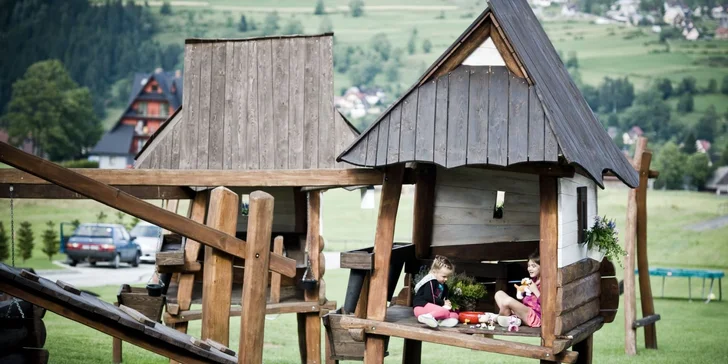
x: 154, y: 97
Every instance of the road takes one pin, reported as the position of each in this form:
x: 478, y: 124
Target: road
x: 85, y: 275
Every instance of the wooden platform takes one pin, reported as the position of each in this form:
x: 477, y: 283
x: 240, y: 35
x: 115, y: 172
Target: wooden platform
x: 347, y: 333
x: 107, y: 318
x: 403, y: 315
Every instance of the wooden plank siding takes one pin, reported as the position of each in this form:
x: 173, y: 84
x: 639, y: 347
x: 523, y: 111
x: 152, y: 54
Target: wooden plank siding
x: 264, y: 103
x: 464, y: 204
x: 470, y: 116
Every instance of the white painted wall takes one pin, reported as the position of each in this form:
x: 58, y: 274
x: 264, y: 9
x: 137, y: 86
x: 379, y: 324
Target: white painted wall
x: 112, y: 162
x: 570, y: 249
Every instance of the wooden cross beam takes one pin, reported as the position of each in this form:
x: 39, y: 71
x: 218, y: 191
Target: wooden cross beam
x: 131, y: 205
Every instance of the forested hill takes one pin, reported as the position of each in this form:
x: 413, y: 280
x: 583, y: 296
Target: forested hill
x: 98, y: 44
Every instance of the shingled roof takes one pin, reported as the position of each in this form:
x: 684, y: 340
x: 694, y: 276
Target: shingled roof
x: 528, y: 111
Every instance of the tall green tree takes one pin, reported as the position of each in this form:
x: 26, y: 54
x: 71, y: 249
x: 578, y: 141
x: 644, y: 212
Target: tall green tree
x: 293, y: 26
x: 712, y: 86
x: 4, y: 243
x: 724, y: 85
x: 325, y: 26
x: 51, y: 110
x: 50, y: 240
x: 166, y: 8
x: 412, y: 42
x: 426, y: 46
x: 25, y: 241
x: 652, y: 114
x: 616, y: 94
x: 665, y: 87
x: 380, y: 44
x: 243, y: 24
x: 707, y: 126
x: 688, y: 85
x: 686, y: 103
x: 697, y: 168
x: 689, y: 144
x: 670, y: 162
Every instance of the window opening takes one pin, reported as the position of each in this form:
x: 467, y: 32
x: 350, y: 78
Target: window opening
x: 581, y: 214
x: 500, y: 199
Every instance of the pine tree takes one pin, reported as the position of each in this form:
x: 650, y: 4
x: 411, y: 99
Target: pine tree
x: 50, y: 240
x: 25, y: 240
x: 4, y: 244
x: 426, y: 46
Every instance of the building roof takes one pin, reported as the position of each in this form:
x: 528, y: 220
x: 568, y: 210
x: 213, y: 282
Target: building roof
x: 719, y: 178
x: 471, y: 134
x: 166, y: 81
x: 115, y: 142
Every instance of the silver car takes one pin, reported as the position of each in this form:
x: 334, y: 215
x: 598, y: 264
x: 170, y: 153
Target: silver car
x: 147, y: 236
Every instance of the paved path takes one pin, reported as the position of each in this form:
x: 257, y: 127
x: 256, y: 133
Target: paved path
x: 85, y: 275
x: 713, y: 224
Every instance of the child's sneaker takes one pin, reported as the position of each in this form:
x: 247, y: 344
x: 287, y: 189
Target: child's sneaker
x: 428, y: 320
x: 505, y: 321
x: 449, y: 322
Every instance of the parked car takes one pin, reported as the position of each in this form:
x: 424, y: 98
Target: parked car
x: 103, y: 243
x: 147, y: 236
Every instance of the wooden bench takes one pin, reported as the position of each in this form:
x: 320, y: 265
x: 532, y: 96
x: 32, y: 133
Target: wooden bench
x: 690, y: 273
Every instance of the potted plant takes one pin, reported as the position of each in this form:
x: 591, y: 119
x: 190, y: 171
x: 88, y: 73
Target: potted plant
x: 464, y: 292
x: 601, y: 240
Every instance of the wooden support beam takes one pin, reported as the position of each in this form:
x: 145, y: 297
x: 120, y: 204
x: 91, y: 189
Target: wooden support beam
x: 48, y: 191
x: 119, y: 200
x: 252, y: 320
x: 383, y: 243
x: 235, y: 311
x: 217, y: 280
x: 630, y: 336
x: 648, y: 305
x: 311, y: 339
x: 585, y: 349
x: 424, y: 208
x: 646, y: 321
x: 186, y: 267
x: 275, y: 278
x: 548, y: 248
x: 381, y: 329
x: 205, y: 178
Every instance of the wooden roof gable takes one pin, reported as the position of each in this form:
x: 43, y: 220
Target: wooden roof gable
x: 528, y: 111
x: 254, y: 104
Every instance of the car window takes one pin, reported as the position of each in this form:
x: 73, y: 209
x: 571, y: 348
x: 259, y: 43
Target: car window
x: 125, y: 234
x: 94, y: 230
x: 117, y: 235
x: 150, y: 231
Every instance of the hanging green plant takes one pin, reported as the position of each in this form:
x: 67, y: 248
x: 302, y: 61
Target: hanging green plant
x: 603, y: 236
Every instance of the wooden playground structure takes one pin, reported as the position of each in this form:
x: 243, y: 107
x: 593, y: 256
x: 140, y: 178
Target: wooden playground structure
x: 258, y: 123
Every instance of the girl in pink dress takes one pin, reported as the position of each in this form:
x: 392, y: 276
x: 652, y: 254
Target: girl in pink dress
x: 530, y: 310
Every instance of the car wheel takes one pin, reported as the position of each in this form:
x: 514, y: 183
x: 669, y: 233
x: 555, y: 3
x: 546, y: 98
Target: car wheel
x: 73, y: 263
x: 117, y: 260
x: 137, y: 258
x: 93, y: 263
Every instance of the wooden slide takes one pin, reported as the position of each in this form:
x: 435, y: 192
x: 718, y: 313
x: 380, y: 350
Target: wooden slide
x: 121, y: 322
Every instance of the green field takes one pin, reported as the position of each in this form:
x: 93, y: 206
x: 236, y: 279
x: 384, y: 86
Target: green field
x: 689, y: 331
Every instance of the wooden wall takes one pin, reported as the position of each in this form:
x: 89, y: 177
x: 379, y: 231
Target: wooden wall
x: 264, y: 103
x: 465, y: 199
x: 472, y: 115
x: 570, y: 249
x: 284, y: 208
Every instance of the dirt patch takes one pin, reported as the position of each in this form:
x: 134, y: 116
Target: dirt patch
x: 713, y: 224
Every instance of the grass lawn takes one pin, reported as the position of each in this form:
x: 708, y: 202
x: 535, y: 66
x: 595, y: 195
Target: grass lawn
x: 688, y: 332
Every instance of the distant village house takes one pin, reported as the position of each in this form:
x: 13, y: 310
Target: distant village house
x: 154, y: 97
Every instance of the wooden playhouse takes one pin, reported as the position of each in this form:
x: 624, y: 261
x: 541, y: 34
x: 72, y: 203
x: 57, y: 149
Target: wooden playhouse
x: 264, y: 106
x: 478, y: 133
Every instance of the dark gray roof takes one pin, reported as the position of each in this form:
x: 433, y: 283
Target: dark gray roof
x: 165, y: 79
x: 580, y: 137
x: 116, y: 141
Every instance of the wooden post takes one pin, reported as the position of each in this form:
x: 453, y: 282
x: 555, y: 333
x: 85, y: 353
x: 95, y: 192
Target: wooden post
x: 275, y: 278
x: 116, y: 350
x: 424, y: 206
x: 383, y: 242
x: 548, y: 248
x: 648, y: 306
x: 585, y: 348
x: 217, y: 278
x: 311, y: 339
x: 255, y: 278
x: 630, y: 314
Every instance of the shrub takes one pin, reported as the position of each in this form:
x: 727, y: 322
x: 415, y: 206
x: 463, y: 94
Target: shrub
x: 25, y: 241
x: 356, y: 7
x: 166, y: 8
x: 4, y: 248
x: 81, y: 163
x: 426, y: 46
x: 50, y: 240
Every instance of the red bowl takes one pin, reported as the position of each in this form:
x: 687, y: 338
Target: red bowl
x: 472, y: 316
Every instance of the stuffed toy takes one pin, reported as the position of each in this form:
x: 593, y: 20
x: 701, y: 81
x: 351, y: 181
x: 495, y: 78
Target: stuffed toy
x: 523, y: 288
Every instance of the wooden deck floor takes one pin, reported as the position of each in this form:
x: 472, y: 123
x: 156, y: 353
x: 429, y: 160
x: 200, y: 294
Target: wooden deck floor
x: 404, y: 315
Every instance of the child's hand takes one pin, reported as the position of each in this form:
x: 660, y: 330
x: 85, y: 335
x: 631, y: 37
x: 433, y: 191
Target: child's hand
x: 534, y: 289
